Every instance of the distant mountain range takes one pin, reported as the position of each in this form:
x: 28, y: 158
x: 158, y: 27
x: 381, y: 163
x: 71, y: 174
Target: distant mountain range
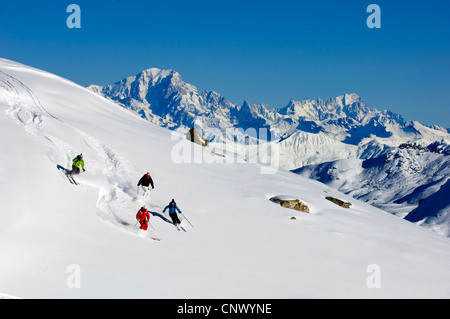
x: 307, y: 132
x: 410, y: 181
x: 341, y: 132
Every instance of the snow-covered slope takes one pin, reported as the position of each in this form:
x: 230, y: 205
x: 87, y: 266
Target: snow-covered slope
x: 434, y: 211
x: 302, y: 133
x: 242, y: 245
x: 396, y: 182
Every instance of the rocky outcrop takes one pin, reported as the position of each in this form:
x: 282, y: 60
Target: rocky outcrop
x: 195, y: 136
x: 339, y: 202
x: 292, y: 203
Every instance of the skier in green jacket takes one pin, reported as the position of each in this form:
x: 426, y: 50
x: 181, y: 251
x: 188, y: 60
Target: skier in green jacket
x: 76, y: 164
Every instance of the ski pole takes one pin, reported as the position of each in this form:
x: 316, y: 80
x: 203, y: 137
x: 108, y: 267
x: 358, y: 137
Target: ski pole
x: 186, y: 219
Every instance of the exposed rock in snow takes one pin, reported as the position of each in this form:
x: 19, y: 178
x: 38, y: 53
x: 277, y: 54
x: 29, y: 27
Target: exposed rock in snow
x: 292, y: 203
x: 195, y: 136
x: 339, y: 202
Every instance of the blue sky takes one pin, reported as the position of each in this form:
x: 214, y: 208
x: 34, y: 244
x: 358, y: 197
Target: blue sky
x: 261, y: 51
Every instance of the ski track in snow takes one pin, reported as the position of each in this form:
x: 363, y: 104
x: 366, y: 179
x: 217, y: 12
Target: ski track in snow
x: 108, y: 170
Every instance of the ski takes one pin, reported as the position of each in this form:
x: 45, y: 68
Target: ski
x: 179, y: 226
x: 150, y: 236
x: 72, y: 180
x: 154, y: 238
x: 66, y: 172
x: 145, y: 234
x: 186, y: 219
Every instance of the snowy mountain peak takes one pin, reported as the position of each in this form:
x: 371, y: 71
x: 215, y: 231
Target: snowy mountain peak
x: 348, y: 99
x: 347, y: 105
x: 156, y: 74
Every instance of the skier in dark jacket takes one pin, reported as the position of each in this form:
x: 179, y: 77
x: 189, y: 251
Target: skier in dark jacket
x: 173, y: 208
x: 145, y: 183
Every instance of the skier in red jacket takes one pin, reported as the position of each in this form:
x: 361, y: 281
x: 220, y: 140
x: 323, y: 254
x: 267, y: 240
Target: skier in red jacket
x: 143, y: 217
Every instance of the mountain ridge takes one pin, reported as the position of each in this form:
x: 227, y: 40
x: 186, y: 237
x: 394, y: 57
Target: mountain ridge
x: 397, y: 182
x: 162, y: 97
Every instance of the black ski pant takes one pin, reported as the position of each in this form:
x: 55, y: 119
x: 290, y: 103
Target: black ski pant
x: 175, y: 219
x: 75, y: 170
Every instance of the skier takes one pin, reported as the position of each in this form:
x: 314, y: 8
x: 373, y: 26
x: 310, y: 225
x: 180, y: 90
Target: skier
x: 143, y: 217
x: 173, y: 208
x: 76, y: 164
x: 145, y: 182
